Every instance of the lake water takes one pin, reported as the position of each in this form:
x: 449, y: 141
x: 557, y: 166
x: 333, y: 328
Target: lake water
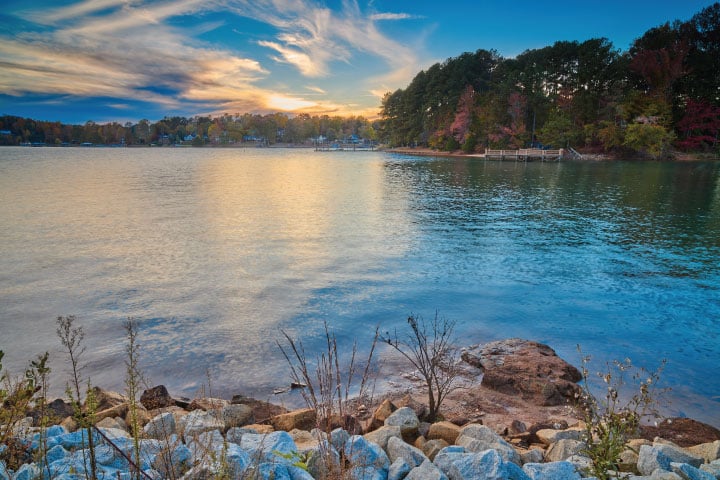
x: 215, y: 251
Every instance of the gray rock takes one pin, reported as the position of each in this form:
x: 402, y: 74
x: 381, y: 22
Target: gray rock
x: 173, y: 461
x: 712, y: 468
x: 235, y: 434
x: 551, y: 471
x: 205, y: 445
x: 161, y: 426
x: 563, y: 449
x: 582, y: 463
x: 397, y: 448
x: 199, y: 421
x: 661, y: 455
x: 236, y: 415
x: 487, y: 464
x: 4, y: 474
x: 405, y: 418
x: 661, y: 474
x: 55, y: 453
x: 426, y: 471
x: 536, y: 455
x: 28, y: 471
x: 362, y: 453
x: 323, y: 461
x: 265, y: 447
x: 338, y: 438
x: 399, y: 469
x: 477, y: 438
x: 688, y: 472
x: 383, y: 434
x: 366, y: 473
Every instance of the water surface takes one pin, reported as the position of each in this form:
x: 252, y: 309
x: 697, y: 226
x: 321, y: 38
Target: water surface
x: 215, y: 251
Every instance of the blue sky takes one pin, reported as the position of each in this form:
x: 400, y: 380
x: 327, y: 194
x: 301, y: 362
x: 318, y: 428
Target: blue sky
x: 124, y: 60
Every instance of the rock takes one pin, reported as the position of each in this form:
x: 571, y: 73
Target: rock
x: 433, y: 447
x: 69, y: 424
x: 208, y: 403
x: 161, y: 426
x: 234, y: 435
x: 106, y: 399
x: 338, y: 438
x: 487, y: 464
x: 397, y: 448
x: 444, y: 430
x: 199, y: 421
x: 712, y: 468
x: 28, y: 471
x: 517, y: 427
x: 156, y: 397
x: 173, y: 461
x: 706, y: 451
x: 406, y: 419
x: 236, y: 415
x: 399, y: 469
x: 205, y: 445
x: 304, y: 441
x: 426, y: 471
x: 383, y: 434
x: 661, y: 474
x: 688, y: 472
x: 262, y: 411
x: 535, y: 455
x: 525, y: 368
x: 109, y: 422
x: 551, y: 471
x: 684, y: 432
x: 627, y: 461
x: 476, y: 438
x: 582, y: 463
x: 115, y: 411
x: 4, y: 474
x: 59, y: 408
x: 382, y: 412
x: 362, y: 453
x: 323, y: 462
x: 304, y: 419
x: 264, y: 429
x: 661, y: 456
x: 563, y: 449
x: 548, y: 437
x: 266, y: 447
x: 420, y: 409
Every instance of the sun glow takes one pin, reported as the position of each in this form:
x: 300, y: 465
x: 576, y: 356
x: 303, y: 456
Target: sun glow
x: 288, y: 104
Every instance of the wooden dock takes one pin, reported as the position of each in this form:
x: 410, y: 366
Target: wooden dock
x: 345, y: 147
x: 525, y: 154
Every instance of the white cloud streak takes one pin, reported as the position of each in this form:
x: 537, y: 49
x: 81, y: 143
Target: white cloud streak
x: 128, y: 49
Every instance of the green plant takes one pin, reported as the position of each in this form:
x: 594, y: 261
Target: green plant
x: 17, y: 397
x: 133, y: 379
x: 71, y: 338
x: 431, y: 350
x: 611, y: 419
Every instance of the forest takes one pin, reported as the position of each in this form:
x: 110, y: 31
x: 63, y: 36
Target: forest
x: 224, y: 129
x: 663, y: 94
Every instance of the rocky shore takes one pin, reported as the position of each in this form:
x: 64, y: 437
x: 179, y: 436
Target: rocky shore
x: 514, y: 420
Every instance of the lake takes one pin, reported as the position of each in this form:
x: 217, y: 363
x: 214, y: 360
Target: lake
x: 215, y: 252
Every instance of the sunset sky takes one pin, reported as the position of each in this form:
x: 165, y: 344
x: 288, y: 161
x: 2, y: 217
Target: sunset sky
x: 124, y: 60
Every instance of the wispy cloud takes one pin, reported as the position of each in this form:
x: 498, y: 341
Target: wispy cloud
x: 393, y: 16
x: 133, y: 49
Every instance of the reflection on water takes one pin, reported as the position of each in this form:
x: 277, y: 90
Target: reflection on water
x: 216, y: 251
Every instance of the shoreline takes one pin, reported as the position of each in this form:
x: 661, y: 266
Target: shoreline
x: 597, y: 157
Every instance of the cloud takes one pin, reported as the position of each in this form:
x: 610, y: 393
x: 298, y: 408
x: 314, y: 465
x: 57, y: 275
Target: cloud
x: 393, y: 16
x: 134, y: 50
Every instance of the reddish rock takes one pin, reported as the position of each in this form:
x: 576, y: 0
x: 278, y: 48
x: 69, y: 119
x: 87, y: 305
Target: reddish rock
x: 684, y: 432
x: 528, y: 369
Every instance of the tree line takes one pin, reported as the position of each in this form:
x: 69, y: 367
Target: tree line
x: 664, y: 92
x: 199, y: 130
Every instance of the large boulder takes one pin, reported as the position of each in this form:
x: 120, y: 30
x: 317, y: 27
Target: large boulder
x: 444, y: 430
x: 426, y: 471
x: 551, y: 471
x: 487, y: 464
x: 477, y: 438
x: 406, y: 419
x: 156, y: 397
x: 397, y: 448
x: 660, y: 456
x: 161, y: 426
x: 684, y: 432
x: 199, y: 421
x: 236, y: 415
x: 564, y: 449
x: 304, y: 419
x: 529, y: 369
x: 383, y: 434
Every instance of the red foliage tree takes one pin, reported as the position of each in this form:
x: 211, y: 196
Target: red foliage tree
x: 699, y: 126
